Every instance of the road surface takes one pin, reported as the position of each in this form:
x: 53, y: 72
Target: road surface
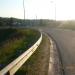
x: 65, y: 39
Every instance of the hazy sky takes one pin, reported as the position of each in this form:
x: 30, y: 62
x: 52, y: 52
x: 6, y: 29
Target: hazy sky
x: 45, y: 9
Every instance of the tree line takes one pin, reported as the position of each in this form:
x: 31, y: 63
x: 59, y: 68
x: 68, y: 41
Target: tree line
x: 21, y: 22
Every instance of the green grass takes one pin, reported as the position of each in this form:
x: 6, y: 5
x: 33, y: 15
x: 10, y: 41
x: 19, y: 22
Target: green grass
x: 6, y: 34
x: 14, y: 42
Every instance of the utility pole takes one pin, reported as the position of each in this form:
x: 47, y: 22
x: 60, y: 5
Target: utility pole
x: 54, y: 3
x: 24, y: 9
x: 55, y: 10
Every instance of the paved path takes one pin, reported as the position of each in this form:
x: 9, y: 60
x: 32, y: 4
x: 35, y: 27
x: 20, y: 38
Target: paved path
x: 65, y: 40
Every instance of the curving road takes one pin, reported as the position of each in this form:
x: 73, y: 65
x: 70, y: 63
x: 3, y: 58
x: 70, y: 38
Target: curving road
x: 65, y: 40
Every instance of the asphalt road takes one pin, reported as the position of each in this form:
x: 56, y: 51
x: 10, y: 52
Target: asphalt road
x: 65, y: 40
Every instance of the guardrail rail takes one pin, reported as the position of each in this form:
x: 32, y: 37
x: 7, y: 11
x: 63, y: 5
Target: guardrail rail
x: 11, y: 68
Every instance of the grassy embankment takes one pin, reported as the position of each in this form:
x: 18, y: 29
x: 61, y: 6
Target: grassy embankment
x: 14, y: 42
x: 68, y: 25
x: 38, y: 62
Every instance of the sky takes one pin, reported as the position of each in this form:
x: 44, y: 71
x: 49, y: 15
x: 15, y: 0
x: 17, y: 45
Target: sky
x: 40, y: 9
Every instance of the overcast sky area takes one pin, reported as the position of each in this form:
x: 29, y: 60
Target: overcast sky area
x: 43, y: 9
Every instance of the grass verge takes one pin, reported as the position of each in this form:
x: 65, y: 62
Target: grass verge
x: 37, y: 64
x: 14, y: 42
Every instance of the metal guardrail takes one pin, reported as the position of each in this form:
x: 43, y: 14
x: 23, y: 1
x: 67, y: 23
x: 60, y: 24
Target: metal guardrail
x: 18, y: 62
